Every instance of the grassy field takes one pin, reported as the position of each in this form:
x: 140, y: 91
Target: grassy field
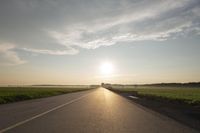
x: 13, y: 94
x: 189, y: 95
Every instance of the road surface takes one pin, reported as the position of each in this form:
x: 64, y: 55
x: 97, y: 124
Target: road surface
x: 93, y: 111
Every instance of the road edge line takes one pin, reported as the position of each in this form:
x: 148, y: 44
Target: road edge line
x: 41, y: 114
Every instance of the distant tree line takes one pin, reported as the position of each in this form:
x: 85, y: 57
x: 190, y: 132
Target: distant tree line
x: 189, y: 84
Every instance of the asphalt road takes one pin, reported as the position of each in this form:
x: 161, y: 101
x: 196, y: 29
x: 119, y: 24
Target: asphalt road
x: 93, y: 111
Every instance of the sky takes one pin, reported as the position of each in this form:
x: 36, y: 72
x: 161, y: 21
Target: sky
x: 68, y: 41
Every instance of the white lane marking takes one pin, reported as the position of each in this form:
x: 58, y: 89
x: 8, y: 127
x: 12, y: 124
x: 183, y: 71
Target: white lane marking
x: 133, y: 97
x: 39, y: 115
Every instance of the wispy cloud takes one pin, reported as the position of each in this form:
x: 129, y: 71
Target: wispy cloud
x: 8, y: 56
x: 165, y: 20
x: 90, y: 25
x: 70, y: 51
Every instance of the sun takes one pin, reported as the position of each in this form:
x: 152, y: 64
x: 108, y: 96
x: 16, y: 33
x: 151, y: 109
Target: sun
x: 106, y: 68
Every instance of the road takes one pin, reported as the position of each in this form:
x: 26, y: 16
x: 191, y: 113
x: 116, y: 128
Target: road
x: 93, y: 111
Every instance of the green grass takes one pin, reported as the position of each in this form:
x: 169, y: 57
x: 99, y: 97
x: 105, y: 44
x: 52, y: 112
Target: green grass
x: 13, y: 94
x: 182, y: 94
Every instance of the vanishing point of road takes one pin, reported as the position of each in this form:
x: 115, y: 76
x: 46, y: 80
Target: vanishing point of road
x: 94, y: 111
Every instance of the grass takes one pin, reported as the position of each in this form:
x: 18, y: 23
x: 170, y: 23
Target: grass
x: 187, y: 95
x: 13, y: 94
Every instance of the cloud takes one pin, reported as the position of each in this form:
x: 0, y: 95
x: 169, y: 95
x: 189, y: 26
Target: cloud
x: 8, y: 56
x: 165, y: 20
x: 64, y: 27
x: 71, y: 51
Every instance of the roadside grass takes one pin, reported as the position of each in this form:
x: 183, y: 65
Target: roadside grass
x: 13, y: 94
x: 189, y: 95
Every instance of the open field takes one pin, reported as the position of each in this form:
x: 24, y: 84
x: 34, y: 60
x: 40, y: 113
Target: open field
x: 13, y: 94
x: 189, y: 95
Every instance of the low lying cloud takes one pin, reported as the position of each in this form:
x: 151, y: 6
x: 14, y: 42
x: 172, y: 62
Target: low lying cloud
x: 8, y: 56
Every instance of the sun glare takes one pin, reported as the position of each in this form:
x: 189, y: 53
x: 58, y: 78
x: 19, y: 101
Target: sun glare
x: 106, y: 68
